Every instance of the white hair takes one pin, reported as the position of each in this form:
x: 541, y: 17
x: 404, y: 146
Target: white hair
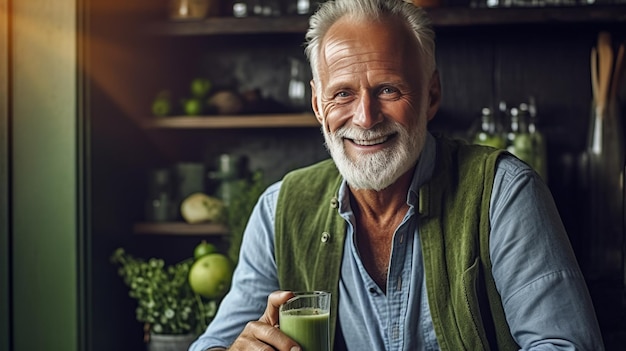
x: 329, y: 12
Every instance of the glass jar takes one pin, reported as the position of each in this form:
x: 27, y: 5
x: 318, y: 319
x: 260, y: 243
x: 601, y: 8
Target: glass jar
x: 159, y: 204
x: 193, y: 9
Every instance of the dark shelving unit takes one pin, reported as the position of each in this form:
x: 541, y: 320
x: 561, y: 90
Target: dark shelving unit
x: 441, y: 17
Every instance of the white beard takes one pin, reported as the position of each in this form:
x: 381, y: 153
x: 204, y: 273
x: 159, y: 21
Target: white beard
x: 376, y: 171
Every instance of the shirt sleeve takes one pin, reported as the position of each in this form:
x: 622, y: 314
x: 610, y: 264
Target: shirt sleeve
x: 253, y: 280
x: 543, y: 291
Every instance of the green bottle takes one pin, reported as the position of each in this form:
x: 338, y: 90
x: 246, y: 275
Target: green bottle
x: 489, y: 133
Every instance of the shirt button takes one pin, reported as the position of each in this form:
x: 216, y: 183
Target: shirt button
x: 373, y: 291
x: 334, y: 203
x: 325, y: 237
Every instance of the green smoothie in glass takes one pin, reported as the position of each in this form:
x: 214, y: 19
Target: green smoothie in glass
x: 306, y: 319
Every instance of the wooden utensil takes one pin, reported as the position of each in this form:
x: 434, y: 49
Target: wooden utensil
x: 605, y: 69
x: 616, y: 80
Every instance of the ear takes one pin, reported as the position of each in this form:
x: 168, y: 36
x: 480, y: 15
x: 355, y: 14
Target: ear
x: 318, y: 115
x: 434, y: 95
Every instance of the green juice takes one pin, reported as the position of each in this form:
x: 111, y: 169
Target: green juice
x: 309, y: 327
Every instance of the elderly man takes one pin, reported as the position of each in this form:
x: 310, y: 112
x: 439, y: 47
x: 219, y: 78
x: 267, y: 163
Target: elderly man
x: 425, y: 243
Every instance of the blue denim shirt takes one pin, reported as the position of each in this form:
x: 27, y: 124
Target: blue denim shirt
x: 543, y: 291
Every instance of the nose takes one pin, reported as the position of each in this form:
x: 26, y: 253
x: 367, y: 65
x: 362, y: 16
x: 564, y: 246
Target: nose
x: 367, y: 112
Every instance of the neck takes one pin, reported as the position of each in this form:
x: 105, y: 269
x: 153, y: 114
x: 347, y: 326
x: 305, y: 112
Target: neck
x: 378, y: 214
x: 385, y: 203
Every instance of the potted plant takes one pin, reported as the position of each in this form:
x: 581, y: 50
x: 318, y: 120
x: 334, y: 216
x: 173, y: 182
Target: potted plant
x: 166, y: 304
x: 178, y: 301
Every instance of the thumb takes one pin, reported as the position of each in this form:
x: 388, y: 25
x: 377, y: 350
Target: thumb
x: 274, y: 300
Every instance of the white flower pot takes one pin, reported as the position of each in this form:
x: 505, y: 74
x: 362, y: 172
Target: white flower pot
x: 170, y: 342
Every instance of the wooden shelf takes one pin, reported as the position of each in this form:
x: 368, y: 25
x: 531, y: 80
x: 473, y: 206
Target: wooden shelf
x: 231, y: 25
x: 442, y: 17
x: 239, y: 121
x: 180, y: 228
x: 453, y: 17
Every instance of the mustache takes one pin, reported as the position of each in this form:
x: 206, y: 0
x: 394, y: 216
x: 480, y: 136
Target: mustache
x: 379, y: 130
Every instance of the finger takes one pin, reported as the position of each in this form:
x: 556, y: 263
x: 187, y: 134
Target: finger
x: 261, y: 336
x: 274, y: 300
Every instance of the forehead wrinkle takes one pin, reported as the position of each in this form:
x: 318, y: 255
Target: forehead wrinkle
x: 346, y: 66
x: 341, y: 60
x: 338, y: 49
x: 340, y: 56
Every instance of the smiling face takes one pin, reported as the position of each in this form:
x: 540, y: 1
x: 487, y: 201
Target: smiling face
x: 373, y: 99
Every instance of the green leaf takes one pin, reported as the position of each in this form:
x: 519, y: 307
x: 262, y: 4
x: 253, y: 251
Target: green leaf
x: 164, y: 298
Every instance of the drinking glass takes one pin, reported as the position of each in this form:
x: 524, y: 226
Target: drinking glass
x: 305, y: 319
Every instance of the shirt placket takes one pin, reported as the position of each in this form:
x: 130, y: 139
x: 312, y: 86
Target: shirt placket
x: 398, y: 286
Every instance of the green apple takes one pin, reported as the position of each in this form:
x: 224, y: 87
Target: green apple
x: 162, y: 104
x: 203, y: 249
x: 161, y: 108
x: 200, y: 87
x: 193, y: 106
x: 210, y: 276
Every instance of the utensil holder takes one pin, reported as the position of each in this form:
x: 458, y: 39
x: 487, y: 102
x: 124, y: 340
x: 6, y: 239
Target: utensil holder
x: 604, y: 158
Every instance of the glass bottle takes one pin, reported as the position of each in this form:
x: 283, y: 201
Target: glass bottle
x: 241, y: 8
x: 519, y: 141
x: 255, y: 7
x: 538, y: 140
x: 272, y: 8
x: 228, y: 172
x: 301, y: 7
x: 489, y: 134
x: 159, y: 203
x: 297, y: 85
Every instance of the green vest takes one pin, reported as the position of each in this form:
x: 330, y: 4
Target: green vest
x: 453, y: 225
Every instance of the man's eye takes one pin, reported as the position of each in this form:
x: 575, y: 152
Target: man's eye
x: 389, y: 93
x: 342, y: 94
